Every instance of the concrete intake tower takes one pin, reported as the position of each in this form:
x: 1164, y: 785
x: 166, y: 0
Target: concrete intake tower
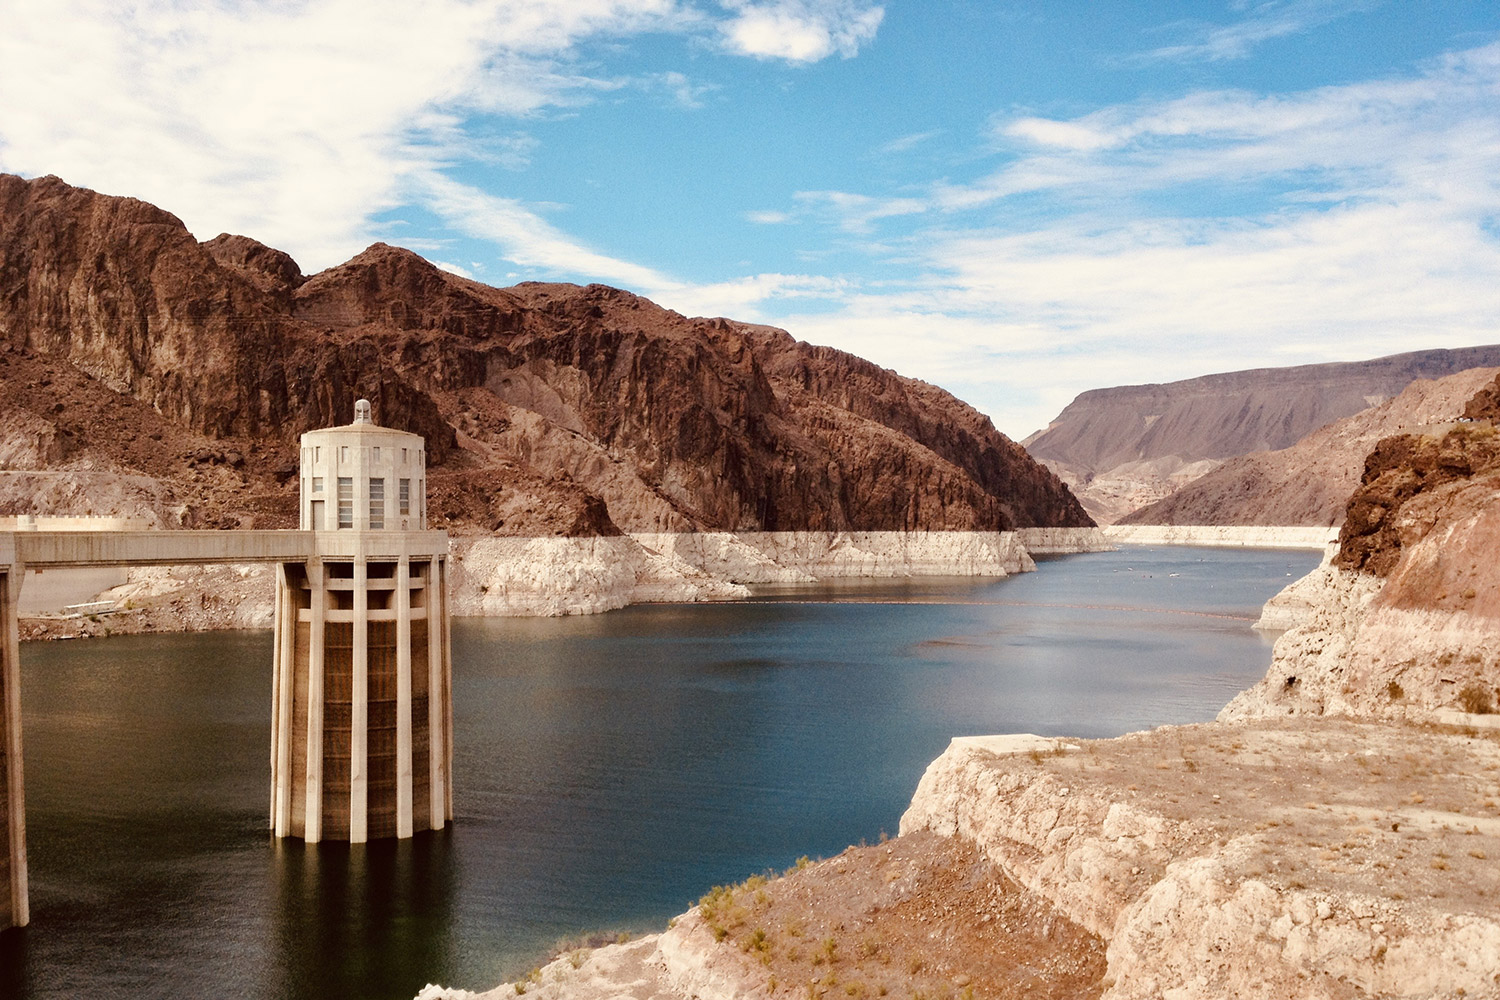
x: 362, y: 696
x: 362, y: 723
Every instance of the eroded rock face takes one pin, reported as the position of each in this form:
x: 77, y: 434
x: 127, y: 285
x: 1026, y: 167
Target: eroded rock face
x: 1309, y: 483
x: 1128, y: 447
x: 548, y: 409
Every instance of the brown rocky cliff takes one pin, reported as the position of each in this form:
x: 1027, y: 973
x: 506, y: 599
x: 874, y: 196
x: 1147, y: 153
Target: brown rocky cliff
x: 580, y: 410
x: 1413, y: 482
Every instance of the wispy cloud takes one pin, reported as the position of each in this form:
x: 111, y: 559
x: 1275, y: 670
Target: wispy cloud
x: 683, y: 90
x: 858, y: 213
x: 525, y: 237
x: 770, y: 217
x: 905, y: 143
x: 1213, y: 231
x: 1266, y: 20
x: 799, y: 31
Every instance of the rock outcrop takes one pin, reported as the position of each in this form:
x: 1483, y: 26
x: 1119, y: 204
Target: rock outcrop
x: 1310, y: 482
x: 1127, y: 447
x: 1404, y: 616
x: 548, y: 409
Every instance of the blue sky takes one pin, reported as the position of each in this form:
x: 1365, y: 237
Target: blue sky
x: 1015, y: 200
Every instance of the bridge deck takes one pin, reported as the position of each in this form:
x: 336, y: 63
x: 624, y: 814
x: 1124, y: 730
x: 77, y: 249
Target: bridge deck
x: 159, y: 548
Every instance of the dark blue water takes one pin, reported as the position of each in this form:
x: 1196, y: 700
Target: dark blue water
x: 608, y: 769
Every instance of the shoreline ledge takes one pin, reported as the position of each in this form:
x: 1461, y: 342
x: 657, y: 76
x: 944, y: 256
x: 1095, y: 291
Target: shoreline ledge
x: 507, y: 576
x: 1246, y: 536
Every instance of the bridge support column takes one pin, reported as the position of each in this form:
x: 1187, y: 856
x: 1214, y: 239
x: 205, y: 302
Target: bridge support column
x: 14, y: 908
x: 361, y: 731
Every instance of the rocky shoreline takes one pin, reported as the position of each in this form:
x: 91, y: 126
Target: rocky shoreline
x: 1331, y: 835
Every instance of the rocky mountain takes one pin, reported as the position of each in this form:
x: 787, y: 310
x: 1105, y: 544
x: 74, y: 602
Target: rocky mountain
x: 1310, y: 482
x: 1126, y: 447
x: 147, y: 373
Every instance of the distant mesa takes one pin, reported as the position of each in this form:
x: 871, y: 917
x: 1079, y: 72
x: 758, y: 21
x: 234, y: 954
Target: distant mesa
x: 168, y: 377
x: 1310, y: 482
x: 1125, y: 448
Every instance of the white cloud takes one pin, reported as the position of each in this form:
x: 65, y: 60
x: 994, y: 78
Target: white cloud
x: 683, y: 90
x: 1270, y: 19
x: 769, y: 217
x: 905, y: 143
x: 302, y: 121
x: 453, y: 268
x: 525, y: 237
x: 799, y: 31
x: 857, y: 213
x: 1340, y: 223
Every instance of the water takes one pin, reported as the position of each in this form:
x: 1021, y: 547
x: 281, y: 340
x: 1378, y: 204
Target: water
x: 608, y: 769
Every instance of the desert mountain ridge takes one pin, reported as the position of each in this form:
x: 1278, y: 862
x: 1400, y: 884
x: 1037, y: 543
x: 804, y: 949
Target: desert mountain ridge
x: 152, y: 375
x: 1310, y: 482
x: 1126, y: 447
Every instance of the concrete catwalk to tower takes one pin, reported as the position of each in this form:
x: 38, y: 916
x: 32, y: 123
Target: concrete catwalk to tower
x: 361, y: 730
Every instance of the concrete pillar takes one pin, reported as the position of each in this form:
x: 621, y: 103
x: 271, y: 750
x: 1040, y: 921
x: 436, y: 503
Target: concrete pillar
x: 313, y: 823
x: 437, y: 761
x: 282, y: 698
x: 403, y: 698
x: 15, y: 911
x: 359, y: 728
x: 447, y: 733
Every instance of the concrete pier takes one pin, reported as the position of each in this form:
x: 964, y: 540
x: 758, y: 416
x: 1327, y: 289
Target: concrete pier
x: 361, y: 715
x: 14, y: 911
x: 361, y: 734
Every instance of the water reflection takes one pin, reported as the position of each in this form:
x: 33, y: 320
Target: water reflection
x: 351, y: 920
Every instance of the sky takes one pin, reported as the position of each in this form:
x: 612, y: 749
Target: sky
x: 1017, y: 201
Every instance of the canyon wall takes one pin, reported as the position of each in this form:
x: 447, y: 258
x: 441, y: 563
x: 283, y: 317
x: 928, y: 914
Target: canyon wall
x: 148, y: 374
x: 1124, y: 448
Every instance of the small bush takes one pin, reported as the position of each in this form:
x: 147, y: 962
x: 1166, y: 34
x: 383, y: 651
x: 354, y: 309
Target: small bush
x: 1476, y: 699
x: 1394, y: 691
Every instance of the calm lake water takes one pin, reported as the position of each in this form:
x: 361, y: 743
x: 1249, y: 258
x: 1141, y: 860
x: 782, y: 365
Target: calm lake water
x: 608, y: 769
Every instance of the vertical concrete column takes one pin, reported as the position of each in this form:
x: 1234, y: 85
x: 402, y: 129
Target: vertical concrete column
x: 359, y: 725
x: 436, y: 696
x: 278, y: 620
x: 282, y: 697
x: 403, y: 698
x: 447, y: 692
x: 318, y: 584
x: 18, y: 911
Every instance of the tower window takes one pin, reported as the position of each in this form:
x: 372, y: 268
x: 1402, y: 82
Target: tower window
x: 403, y: 496
x: 346, y: 501
x: 377, y: 503
x: 317, y: 484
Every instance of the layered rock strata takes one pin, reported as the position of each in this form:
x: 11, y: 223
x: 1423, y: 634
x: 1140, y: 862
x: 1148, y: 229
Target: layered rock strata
x: 1310, y: 482
x: 1124, y: 448
x: 1263, y: 860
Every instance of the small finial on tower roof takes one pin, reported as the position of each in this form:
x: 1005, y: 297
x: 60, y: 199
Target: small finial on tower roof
x: 362, y: 411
